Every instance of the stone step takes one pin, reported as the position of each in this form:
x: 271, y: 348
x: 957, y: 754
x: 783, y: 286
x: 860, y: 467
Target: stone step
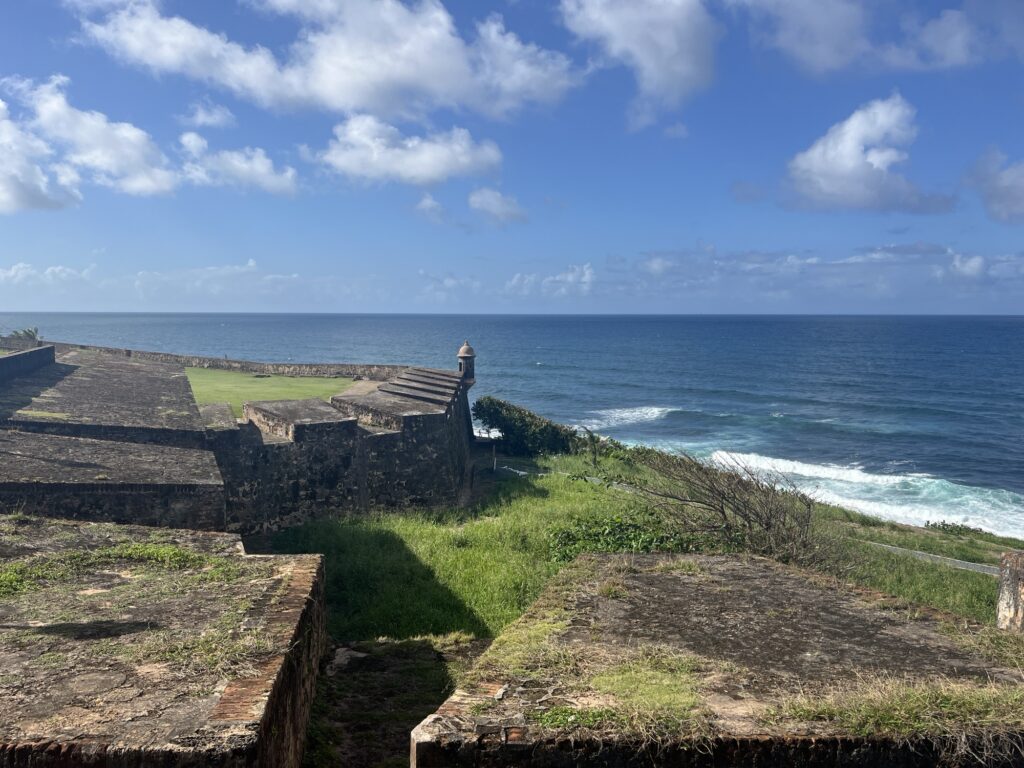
x: 413, y: 394
x: 432, y: 389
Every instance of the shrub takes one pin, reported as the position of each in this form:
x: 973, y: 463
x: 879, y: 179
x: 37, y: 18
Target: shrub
x: 738, y: 508
x: 523, y: 432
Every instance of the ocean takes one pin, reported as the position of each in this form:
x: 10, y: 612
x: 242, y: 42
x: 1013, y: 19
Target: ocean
x: 912, y: 419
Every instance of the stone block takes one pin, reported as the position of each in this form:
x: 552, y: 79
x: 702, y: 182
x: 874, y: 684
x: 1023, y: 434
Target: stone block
x: 1010, y: 609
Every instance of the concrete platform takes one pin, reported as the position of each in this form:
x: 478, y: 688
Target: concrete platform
x: 123, y: 646
x: 92, y: 394
x: 721, y: 661
x: 105, y: 480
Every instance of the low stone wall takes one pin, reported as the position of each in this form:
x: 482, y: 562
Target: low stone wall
x: 25, y: 362
x: 198, y: 507
x: 1010, y: 610
x: 369, y: 371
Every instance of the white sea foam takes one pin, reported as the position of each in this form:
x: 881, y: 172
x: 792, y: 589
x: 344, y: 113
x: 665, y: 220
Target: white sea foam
x: 617, y: 417
x: 906, y: 498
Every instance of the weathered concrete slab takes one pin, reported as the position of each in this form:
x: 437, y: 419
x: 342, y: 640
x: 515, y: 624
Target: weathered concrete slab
x: 724, y: 641
x: 298, y: 419
x: 106, y: 480
x: 204, y: 657
x: 1010, y: 610
x: 92, y: 394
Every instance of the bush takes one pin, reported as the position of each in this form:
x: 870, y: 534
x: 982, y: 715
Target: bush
x: 741, y: 509
x: 523, y: 432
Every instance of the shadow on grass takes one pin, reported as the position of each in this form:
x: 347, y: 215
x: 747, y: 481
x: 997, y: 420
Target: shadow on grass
x: 374, y: 691
x: 376, y: 586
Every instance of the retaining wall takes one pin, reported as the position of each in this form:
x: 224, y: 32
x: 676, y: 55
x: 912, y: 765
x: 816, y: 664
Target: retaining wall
x: 25, y: 361
x: 372, y: 372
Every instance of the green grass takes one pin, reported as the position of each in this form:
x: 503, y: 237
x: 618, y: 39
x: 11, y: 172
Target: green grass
x: 210, y: 385
x: 912, y: 709
x: 475, y: 571
x: 20, y: 576
x: 959, y: 543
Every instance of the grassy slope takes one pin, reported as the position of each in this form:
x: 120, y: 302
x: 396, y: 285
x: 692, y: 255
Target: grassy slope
x: 215, y: 386
x: 475, y: 571
x: 433, y: 580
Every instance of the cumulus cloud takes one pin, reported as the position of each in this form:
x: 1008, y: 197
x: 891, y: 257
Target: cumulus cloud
x: 669, y: 45
x: 430, y: 207
x: 968, y: 266
x: 851, y: 165
x: 365, y: 147
x: 56, y: 148
x: 206, y: 114
x: 24, y: 274
x: 657, y: 265
x: 26, y: 179
x: 949, y: 40
x: 829, y: 35
x: 379, y: 56
x: 502, y: 208
x: 113, y: 154
x: 576, y: 280
x: 248, y: 167
x: 1001, y: 186
x: 821, y: 35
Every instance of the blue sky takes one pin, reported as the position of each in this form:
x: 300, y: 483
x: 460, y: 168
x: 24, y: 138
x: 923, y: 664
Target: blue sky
x: 514, y: 156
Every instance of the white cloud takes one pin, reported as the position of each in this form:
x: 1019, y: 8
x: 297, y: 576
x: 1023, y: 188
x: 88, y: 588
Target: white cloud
x: 1001, y: 187
x: 430, y: 207
x: 248, y: 167
x: 502, y: 208
x: 657, y: 265
x: 576, y: 280
x: 829, y: 35
x: 379, y: 56
x: 205, y: 114
x: 851, y: 165
x: 365, y: 147
x: 24, y: 274
x: 669, y: 45
x: 968, y: 266
x: 117, y: 155
x: 821, y: 35
x: 25, y: 180
x: 946, y: 41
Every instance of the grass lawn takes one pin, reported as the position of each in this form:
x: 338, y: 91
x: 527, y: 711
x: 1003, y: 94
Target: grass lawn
x: 412, y: 588
x: 210, y: 385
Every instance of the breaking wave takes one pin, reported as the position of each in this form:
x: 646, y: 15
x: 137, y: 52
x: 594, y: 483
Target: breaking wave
x: 904, y: 498
x: 617, y: 417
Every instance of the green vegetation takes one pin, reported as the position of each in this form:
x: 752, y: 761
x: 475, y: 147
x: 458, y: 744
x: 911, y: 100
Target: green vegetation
x: 413, y: 579
x: 26, y: 334
x: 945, y: 539
x: 523, y: 432
x: 45, y: 415
x: 19, y: 576
x: 979, y: 721
x: 477, y: 570
x: 210, y: 385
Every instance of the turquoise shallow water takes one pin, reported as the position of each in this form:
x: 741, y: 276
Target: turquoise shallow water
x: 909, y: 418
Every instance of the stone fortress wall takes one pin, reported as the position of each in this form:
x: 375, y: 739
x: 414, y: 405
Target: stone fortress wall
x: 115, y: 435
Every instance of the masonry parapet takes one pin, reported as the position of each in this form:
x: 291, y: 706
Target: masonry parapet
x: 25, y: 361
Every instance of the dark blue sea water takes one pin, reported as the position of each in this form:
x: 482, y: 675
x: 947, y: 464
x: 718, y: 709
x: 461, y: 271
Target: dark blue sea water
x: 909, y: 418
